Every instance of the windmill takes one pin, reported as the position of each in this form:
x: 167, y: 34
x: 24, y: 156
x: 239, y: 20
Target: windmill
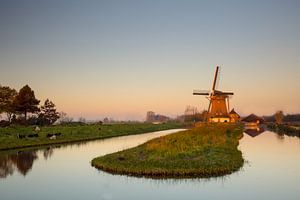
x: 218, y: 102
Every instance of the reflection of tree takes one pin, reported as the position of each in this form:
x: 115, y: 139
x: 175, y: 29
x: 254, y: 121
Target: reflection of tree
x: 280, y: 137
x: 23, y: 161
x: 6, y: 167
x: 48, y: 153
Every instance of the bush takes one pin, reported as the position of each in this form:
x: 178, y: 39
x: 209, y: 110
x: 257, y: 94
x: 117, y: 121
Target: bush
x: 4, y: 123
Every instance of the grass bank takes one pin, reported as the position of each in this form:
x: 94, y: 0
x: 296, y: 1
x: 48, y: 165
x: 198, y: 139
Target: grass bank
x: 284, y: 129
x: 9, y: 135
x: 205, y: 151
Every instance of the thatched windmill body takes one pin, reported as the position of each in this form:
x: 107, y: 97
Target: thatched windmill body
x: 218, y: 102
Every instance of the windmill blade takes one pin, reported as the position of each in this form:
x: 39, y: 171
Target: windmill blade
x: 209, y: 107
x: 218, y: 77
x: 220, y: 93
x: 215, y: 78
x: 226, y: 93
x: 208, y: 111
x: 200, y: 92
x: 197, y: 93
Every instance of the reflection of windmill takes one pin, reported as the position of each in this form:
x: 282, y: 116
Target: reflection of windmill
x: 218, y: 102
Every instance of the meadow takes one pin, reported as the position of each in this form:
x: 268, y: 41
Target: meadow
x: 13, y: 137
x: 205, y: 151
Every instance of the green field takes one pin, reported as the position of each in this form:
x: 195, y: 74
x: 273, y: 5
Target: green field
x: 9, y: 135
x: 205, y: 151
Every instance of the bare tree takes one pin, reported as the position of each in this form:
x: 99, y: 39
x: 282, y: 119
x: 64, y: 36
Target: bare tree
x: 64, y: 118
x: 190, y: 114
x: 82, y: 120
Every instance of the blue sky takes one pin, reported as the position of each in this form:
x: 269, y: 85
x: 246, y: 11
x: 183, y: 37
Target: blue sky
x: 123, y: 58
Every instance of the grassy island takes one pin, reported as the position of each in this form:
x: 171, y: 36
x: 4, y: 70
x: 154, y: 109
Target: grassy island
x: 13, y: 137
x: 206, y: 151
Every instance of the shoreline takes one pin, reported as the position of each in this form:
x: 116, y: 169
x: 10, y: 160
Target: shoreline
x: 117, y: 133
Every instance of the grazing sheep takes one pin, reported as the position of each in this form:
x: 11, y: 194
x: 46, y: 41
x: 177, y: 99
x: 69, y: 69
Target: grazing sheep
x: 49, y: 135
x: 53, y: 137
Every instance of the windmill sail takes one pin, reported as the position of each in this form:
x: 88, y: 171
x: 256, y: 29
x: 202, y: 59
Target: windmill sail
x: 200, y: 92
x: 215, y: 78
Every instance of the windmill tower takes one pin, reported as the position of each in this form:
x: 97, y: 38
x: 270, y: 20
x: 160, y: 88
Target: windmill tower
x: 218, y: 102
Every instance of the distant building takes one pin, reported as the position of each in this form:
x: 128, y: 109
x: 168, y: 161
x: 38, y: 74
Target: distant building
x: 156, y: 118
x: 234, y: 117
x: 150, y: 116
x: 253, y: 120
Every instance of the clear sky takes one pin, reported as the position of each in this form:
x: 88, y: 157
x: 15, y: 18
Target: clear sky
x: 123, y: 58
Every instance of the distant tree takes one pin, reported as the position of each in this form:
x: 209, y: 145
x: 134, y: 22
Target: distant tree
x: 48, y: 113
x: 82, y: 120
x: 269, y: 118
x: 32, y: 120
x: 279, y: 117
x: 191, y: 114
x: 64, y: 118
x: 25, y: 102
x: 292, y: 118
x: 204, y: 115
x: 13, y: 119
x: 7, y: 96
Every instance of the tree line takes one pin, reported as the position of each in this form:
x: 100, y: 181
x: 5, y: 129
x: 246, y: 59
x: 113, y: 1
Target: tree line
x: 191, y: 114
x: 279, y: 117
x: 17, y: 106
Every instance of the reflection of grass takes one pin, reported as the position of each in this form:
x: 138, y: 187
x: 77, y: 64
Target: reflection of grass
x: 296, y: 127
x: 209, y: 150
x: 9, y: 140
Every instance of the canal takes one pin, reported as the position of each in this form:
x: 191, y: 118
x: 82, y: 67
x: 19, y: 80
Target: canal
x: 64, y: 172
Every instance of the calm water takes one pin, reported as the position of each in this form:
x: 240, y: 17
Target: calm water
x: 272, y: 171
